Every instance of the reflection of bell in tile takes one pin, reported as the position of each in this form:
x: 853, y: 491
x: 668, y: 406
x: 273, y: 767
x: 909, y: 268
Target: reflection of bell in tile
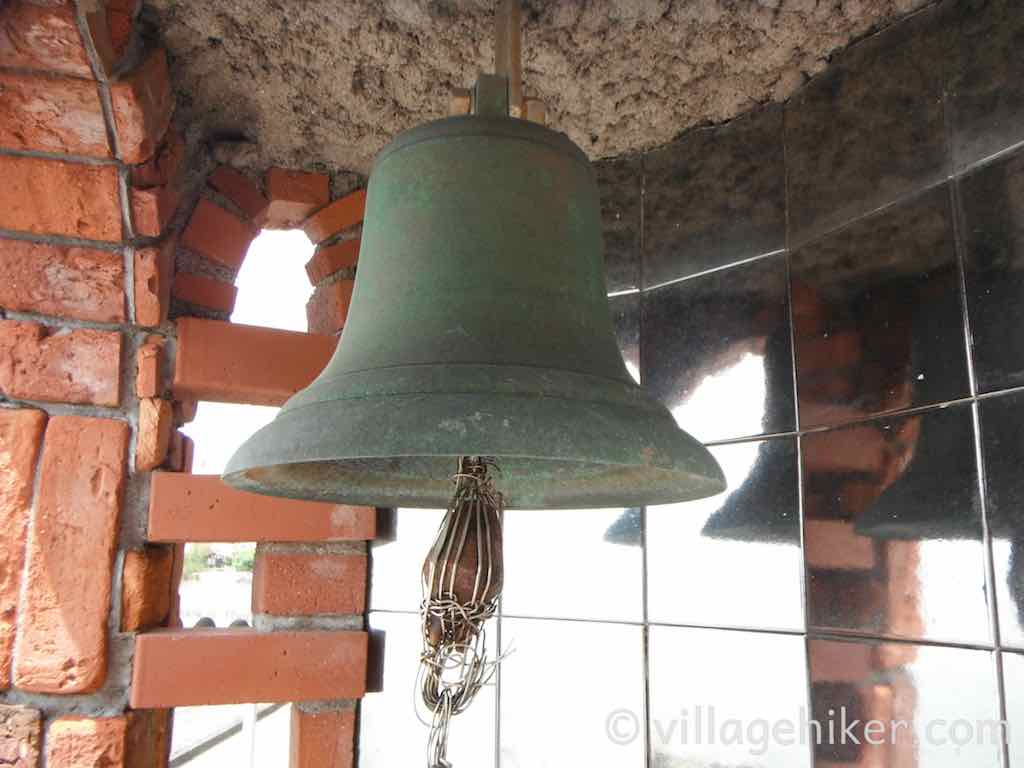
x: 749, y: 512
x: 935, y: 496
x: 1015, y: 579
x: 627, y: 528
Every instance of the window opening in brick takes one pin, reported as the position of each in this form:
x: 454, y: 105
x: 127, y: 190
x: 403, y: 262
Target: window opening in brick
x: 216, y: 585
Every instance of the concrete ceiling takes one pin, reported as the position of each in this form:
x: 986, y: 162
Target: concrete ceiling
x: 328, y: 82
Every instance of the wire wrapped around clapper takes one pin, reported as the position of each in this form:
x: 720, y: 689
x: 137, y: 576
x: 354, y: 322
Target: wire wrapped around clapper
x: 462, y: 579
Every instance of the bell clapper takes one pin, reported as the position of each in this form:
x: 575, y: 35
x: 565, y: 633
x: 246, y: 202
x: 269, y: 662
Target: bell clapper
x: 462, y: 580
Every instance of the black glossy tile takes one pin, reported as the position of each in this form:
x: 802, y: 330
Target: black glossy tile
x: 985, y: 87
x: 693, y: 548
x: 604, y: 579
x: 619, y: 182
x: 722, y: 699
x: 1002, y: 444
x: 893, y: 530
x: 562, y: 683
x: 867, y: 130
x: 878, y: 322
x: 714, y: 197
x: 992, y: 201
x: 716, y: 350
x: 393, y: 723
x: 626, y: 319
x: 907, y: 706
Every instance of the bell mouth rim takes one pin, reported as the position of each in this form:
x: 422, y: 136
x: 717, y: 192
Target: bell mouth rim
x: 482, y: 126
x: 273, y: 481
x: 554, y: 453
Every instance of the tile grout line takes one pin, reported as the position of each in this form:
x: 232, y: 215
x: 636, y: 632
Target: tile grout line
x: 497, y: 690
x: 831, y: 634
x: 646, y: 640
x: 950, y: 177
x: 917, y: 410
x: 804, y: 601
x: 714, y: 270
x: 645, y: 631
x: 960, y: 251
x: 990, y: 576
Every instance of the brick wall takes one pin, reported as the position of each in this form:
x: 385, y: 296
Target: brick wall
x: 118, y: 252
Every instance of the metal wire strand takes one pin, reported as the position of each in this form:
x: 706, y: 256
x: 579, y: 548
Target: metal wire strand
x: 457, y: 601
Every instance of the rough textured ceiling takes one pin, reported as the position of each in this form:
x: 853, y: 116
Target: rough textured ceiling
x: 329, y: 82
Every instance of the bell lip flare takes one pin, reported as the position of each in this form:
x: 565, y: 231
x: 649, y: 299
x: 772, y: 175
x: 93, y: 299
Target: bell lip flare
x: 554, y: 453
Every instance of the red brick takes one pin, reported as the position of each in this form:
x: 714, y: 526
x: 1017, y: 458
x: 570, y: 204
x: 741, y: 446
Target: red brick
x: 164, y: 167
x: 228, y: 362
x: 98, y: 29
x: 121, y: 22
x: 174, y: 619
x: 156, y: 187
x: 324, y: 739
x: 340, y: 215
x: 61, y: 644
x: 327, y: 309
x: 153, y: 208
x: 20, y: 434
x: 143, y: 103
x: 292, y: 582
x: 230, y: 666
x: 148, y: 365
x: 834, y: 545
x: 148, y: 741
x: 293, y: 196
x: 242, y: 191
x: 154, y: 269
x: 51, y: 114
x: 83, y: 283
x: 218, y: 234
x: 185, y: 411
x: 59, y: 198
x: 38, y: 36
x: 328, y: 260
x: 64, y: 365
x: 81, y: 742
x: 156, y: 420
x: 202, y: 508
x: 112, y: 29
x: 204, y: 292
x: 146, y: 588
x: 179, y: 458
x: 21, y: 735
x: 860, y: 449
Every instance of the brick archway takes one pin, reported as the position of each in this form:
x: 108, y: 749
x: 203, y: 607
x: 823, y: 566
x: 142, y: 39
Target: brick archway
x: 118, y: 249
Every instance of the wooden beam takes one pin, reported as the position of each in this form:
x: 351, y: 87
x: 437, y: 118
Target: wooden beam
x: 460, y: 102
x: 508, y: 44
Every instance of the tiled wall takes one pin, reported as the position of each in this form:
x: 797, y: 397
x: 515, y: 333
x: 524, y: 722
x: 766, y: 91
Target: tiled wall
x: 831, y: 292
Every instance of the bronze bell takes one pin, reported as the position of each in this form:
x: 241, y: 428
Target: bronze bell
x: 479, y: 326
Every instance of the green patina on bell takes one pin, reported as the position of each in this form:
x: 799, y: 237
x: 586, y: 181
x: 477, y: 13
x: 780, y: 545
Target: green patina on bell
x: 479, y: 326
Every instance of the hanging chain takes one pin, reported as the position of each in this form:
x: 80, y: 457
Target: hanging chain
x: 462, y: 580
